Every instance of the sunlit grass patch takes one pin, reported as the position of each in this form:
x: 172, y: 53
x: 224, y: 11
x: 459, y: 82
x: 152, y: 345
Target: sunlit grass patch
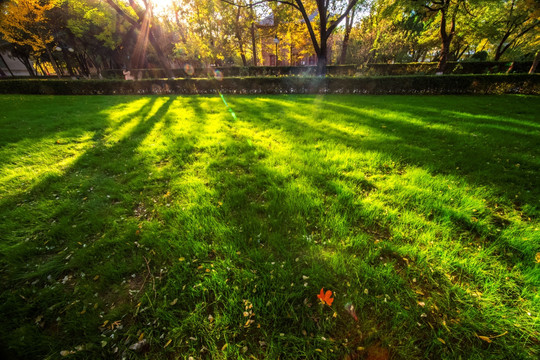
x: 156, y: 227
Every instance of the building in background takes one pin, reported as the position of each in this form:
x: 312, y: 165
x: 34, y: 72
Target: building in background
x: 11, y: 65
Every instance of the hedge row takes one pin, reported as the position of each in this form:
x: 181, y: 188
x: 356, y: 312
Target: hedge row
x: 448, y: 84
x: 452, y: 67
x: 467, y: 67
x: 235, y: 71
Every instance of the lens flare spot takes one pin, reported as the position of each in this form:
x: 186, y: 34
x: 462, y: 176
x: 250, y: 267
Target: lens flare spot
x: 218, y: 75
x: 189, y: 70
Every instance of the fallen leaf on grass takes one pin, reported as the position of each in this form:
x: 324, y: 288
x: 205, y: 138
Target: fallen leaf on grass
x: 141, y: 337
x: 485, y: 338
x: 167, y: 343
x: 441, y: 340
x: 115, y: 324
x: 224, y: 347
x: 326, y: 297
x: 172, y: 303
x: 489, y: 338
x: 537, y: 257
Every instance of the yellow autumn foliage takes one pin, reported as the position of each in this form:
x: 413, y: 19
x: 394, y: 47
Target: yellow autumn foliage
x: 24, y: 22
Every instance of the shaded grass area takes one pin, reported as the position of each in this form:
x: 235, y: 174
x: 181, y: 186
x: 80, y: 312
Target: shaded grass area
x: 164, y: 227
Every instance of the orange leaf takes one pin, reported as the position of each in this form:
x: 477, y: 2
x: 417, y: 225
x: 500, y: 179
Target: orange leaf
x: 321, y: 295
x: 326, y: 298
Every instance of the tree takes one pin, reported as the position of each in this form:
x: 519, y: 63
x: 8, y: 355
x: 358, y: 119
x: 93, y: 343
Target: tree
x: 391, y: 31
x: 507, y: 23
x: 329, y: 14
x: 211, y: 32
x: 141, y: 17
x: 447, y: 11
x: 96, y: 31
x: 26, y: 23
x: 349, y: 22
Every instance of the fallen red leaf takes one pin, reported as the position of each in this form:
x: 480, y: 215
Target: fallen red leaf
x: 326, y: 297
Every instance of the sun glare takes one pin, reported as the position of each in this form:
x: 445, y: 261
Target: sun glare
x: 161, y: 6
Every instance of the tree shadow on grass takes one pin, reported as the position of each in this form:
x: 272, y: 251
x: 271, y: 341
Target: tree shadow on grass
x: 406, y: 143
x: 62, y: 116
x: 233, y: 212
x: 502, y: 158
x: 75, y: 226
x: 438, y: 151
x: 255, y: 225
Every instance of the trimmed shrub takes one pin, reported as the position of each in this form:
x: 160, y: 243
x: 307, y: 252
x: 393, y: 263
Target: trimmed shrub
x: 448, y: 84
x: 453, y: 67
x: 236, y: 71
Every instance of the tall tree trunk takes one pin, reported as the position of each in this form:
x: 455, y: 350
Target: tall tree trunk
x: 443, y: 58
x: 344, y: 46
x: 291, y: 56
x: 161, y: 56
x: 349, y: 20
x: 322, y: 54
x: 26, y: 62
x: 322, y: 60
x: 239, y: 37
x: 500, y: 47
x: 253, y: 38
x: 446, y: 38
x: 535, y: 63
x: 53, y: 61
x: 242, y: 55
x: 41, y: 68
x: 5, y: 63
x: 29, y: 67
x: 83, y: 64
x: 94, y: 64
x: 65, y: 53
x: 460, y: 52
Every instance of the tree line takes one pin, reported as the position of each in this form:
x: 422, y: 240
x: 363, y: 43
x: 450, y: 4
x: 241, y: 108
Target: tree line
x: 80, y: 37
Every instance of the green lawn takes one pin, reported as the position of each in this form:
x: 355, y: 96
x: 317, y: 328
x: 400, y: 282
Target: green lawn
x: 170, y: 227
